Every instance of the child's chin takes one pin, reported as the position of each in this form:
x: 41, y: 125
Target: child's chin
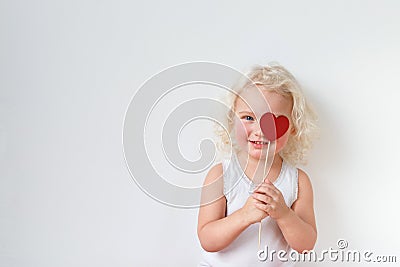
x: 257, y: 154
x: 254, y: 153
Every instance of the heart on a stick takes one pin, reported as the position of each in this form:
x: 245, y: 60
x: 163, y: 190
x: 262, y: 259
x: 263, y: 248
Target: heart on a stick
x: 273, y: 127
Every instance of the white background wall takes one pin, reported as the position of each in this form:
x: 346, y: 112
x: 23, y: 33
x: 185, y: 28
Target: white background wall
x: 70, y: 68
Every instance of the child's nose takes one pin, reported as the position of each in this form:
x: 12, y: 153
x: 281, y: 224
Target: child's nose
x: 257, y: 129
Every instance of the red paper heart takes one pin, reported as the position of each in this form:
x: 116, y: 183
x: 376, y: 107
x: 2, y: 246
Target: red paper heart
x: 273, y: 127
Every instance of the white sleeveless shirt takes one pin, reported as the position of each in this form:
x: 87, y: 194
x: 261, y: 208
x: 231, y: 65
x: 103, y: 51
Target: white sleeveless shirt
x: 243, y: 251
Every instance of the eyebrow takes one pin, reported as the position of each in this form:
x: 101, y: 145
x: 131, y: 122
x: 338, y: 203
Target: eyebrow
x: 249, y: 112
x: 245, y: 112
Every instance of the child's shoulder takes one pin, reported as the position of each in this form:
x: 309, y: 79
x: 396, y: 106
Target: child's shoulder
x: 302, y: 174
x: 214, y: 173
x: 304, y: 180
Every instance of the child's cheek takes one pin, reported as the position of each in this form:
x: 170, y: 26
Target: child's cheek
x: 281, y: 142
x: 240, y: 133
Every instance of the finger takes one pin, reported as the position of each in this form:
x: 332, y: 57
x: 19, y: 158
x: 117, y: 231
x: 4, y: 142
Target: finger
x: 262, y: 197
x: 263, y: 186
x: 268, y: 191
x: 262, y: 207
x: 271, y: 185
x: 260, y: 189
x: 273, y: 188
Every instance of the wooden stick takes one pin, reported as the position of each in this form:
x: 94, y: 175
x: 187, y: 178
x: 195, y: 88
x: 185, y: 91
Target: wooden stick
x: 266, y: 160
x: 259, y: 236
x: 265, y: 168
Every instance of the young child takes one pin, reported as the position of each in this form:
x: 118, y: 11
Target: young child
x: 262, y: 200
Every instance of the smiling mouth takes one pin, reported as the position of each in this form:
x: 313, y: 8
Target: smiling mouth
x: 258, y: 142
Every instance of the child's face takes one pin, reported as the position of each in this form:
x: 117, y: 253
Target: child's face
x: 247, y: 120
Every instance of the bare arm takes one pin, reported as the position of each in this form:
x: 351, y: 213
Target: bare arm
x: 297, y: 223
x: 215, y: 231
x: 299, y: 227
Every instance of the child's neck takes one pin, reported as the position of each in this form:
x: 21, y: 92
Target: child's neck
x: 256, y: 166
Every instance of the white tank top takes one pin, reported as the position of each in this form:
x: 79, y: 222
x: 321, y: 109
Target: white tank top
x: 243, y: 251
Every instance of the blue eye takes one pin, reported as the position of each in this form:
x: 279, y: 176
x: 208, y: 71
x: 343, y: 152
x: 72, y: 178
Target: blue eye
x: 248, y: 118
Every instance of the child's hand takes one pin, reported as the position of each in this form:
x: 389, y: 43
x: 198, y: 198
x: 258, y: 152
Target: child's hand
x: 251, y: 213
x: 270, y: 200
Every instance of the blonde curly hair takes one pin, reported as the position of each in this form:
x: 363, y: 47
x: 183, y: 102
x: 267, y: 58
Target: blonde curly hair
x: 276, y: 78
